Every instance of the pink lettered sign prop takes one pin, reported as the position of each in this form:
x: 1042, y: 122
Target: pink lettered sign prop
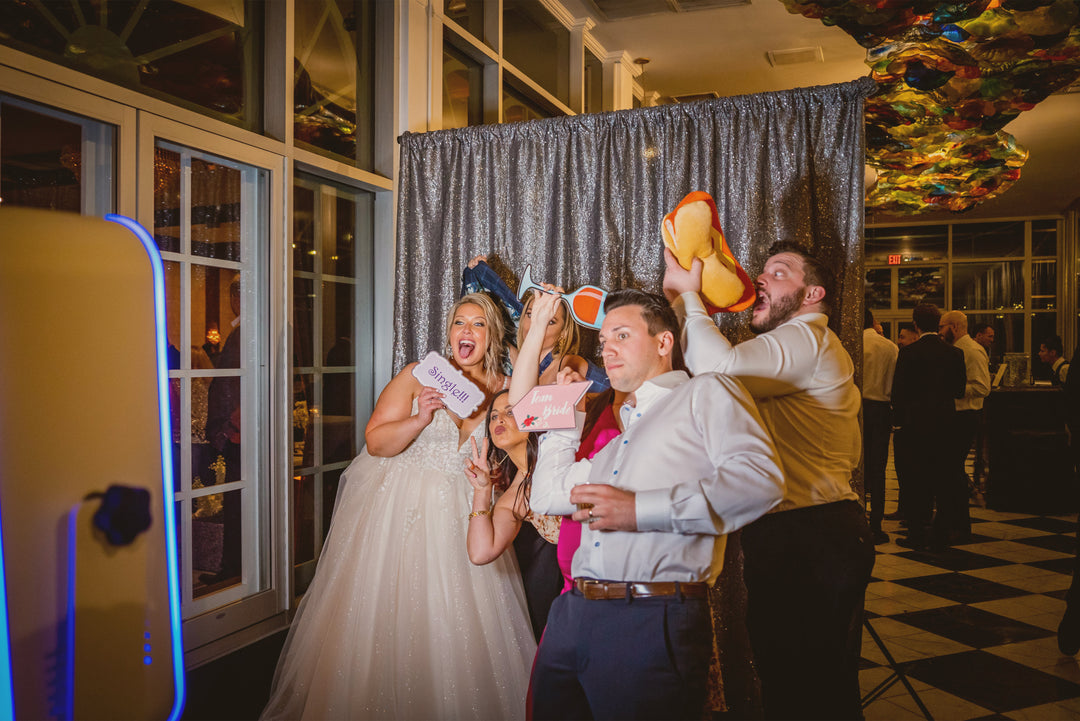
x: 549, y: 408
x: 460, y: 394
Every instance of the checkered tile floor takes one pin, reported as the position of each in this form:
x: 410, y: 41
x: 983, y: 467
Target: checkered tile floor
x: 974, y: 628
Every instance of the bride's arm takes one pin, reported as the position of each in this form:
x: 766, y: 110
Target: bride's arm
x: 393, y: 426
x: 491, y: 529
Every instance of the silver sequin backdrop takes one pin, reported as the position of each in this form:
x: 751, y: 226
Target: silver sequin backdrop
x: 581, y: 198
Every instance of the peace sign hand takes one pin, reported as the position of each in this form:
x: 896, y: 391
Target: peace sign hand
x: 476, y: 467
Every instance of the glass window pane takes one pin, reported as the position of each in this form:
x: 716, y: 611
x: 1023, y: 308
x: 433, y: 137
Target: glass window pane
x: 335, y: 79
x: 469, y: 14
x: 338, y: 319
x: 463, y: 85
x: 216, y: 542
x: 54, y: 160
x: 594, y: 83
x: 338, y: 418
x: 215, y: 210
x: 203, y: 55
x: 538, y: 45
x: 303, y: 322
x: 988, y: 286
x: 1008, y: 332
x: 339, y: 246
x: 215, y: 317
x: 303, y: 228
x: 988, y: 240
x: 517, y: 108
x: 879, y: 288
x: 331, y: 480
x: 303, y: 518
x: 1044, y: 237
x: 167, y: 199
x: 1043, y: 284
x: 921, y: 285
x: 911, y: 243
x: 305, y: 411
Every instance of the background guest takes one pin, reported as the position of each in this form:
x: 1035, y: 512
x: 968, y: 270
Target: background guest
x: 879, y: 363
x: 1052, y: 354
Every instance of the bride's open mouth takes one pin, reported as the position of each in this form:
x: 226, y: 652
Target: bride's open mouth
x: 465, y: 349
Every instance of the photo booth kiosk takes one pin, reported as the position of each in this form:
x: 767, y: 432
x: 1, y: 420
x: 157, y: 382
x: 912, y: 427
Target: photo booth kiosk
x: 89, y: 589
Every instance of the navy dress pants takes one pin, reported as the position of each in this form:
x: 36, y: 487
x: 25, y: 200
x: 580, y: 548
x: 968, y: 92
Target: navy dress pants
x: 641, y: 658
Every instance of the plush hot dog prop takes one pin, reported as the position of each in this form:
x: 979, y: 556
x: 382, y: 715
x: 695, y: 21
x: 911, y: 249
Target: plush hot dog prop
x: 693, y: 230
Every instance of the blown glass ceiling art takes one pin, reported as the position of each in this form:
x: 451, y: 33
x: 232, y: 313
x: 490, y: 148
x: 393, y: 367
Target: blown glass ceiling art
x: 950, y: 76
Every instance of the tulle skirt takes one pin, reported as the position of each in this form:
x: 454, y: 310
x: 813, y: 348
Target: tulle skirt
x: 397, y: 622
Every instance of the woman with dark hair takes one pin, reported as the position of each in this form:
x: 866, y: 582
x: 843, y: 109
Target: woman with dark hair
x: 397, y: 624
x: 503, y: 463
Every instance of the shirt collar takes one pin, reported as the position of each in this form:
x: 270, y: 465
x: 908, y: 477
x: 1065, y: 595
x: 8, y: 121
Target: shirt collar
x: 654, y: 389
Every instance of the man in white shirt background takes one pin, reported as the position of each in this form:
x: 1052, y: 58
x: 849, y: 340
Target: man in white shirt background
x: 879, y: 363
x: 807, y: 564
x: 632, y: 638
x: 953, y: 329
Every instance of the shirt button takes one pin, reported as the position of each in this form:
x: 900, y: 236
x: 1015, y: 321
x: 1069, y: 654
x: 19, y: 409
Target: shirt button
x: 625, y: 442
x: 639, y: 415
x: 597, y: 544
x: 614, y: 473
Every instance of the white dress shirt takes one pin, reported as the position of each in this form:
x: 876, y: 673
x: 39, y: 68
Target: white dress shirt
x: 878, y: 365
x: 802, y: 379
x: 977, y: 365
x: 700, y: 463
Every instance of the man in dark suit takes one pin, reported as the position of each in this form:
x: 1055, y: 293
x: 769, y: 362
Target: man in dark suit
x: 929, y: 376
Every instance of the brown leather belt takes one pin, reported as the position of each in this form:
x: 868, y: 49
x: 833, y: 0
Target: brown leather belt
x: 594, y: 590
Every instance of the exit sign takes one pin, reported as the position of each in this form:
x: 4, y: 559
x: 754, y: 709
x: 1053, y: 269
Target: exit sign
x: 894, y: 259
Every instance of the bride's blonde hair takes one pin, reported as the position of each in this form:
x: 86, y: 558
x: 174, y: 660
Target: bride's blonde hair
x: 495, y: 351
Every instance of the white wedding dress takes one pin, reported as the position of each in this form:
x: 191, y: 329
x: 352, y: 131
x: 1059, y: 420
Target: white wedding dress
x: 397, y: 623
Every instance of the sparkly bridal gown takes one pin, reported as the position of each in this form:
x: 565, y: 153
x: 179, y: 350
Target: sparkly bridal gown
x: 397, y: 623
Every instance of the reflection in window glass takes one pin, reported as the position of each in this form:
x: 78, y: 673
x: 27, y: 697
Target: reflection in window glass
x: 206, y: 56
x: 517, y: 108
x: 463, y: 100
x: 54, y: 160
x: 332, y: 353
x: 988, y: 240
x: 335, y: 79
x: 879, y: 288
x: 911, y: 243
x: 594, y: 83
x: 469, y: 14
x: 215, y: 542
x: 1043, y: 284
x: 215, y: 215
x: 538, y: 45
x: 920, y: 285
x: 988, y: 286
x: 1044, y: 237
x: 167, y: 199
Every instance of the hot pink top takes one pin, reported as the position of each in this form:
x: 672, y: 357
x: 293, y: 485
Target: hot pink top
x: 570, y: 531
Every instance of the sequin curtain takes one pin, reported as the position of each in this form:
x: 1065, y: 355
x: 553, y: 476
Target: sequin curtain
x: 581, y: 198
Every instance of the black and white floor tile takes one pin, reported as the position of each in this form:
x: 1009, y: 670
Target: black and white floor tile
x: 973, y: 628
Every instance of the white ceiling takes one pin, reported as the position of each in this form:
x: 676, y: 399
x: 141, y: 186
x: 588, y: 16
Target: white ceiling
x: 724, y: 50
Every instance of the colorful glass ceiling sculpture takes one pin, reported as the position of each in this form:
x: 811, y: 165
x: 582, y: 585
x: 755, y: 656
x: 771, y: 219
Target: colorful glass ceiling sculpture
x: 950, y: 76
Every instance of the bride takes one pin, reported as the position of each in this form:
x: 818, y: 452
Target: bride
x: 397, y: 622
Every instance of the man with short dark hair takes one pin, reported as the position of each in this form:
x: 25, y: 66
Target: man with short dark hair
x: 631, y: 639
x: 906, y: 334
x: 1051, y: 353
x: 984, y: 336
x: 807, y: 565
x: 879, y: 363
x: 929, y: 377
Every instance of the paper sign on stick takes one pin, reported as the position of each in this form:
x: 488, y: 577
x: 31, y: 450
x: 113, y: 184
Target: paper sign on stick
x: 549, y: 408
x: 461, y: 395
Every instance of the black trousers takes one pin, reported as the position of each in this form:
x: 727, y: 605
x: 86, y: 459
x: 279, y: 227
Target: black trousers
x: 806, y: 572
x: 642, y: 658
x: 877, y: 426
x: 929, y: 480
x: 967, y: 425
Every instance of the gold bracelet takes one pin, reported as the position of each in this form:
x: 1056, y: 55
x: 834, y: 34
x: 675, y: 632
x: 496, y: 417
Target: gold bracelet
x: 474, y: 514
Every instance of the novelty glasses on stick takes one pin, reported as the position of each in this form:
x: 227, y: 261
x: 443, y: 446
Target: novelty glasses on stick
x: 586, y: 303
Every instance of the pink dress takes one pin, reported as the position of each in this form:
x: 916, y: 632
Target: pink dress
x: 570, y: 532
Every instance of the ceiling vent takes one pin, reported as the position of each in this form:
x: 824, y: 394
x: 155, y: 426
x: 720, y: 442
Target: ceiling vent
x: 795, y: 56
x: 693, y: 97
x: 608, y: 10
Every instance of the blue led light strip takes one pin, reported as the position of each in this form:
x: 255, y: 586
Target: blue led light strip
x: 7, y: 700
x: 167, y: 491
